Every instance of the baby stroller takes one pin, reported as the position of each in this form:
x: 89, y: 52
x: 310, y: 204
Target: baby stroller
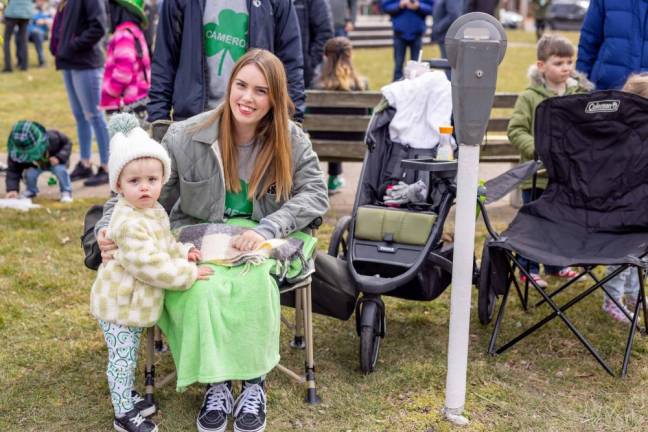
x: 395, y: 251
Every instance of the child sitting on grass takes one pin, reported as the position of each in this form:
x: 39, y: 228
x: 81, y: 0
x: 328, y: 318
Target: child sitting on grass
x: 552, y: 75
x: 626, y: 284
x: 32, y: 150
x: 128, y: 293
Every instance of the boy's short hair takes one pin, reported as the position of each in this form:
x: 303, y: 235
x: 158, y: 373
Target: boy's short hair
x: 637, y: 84
x: 554, y: 45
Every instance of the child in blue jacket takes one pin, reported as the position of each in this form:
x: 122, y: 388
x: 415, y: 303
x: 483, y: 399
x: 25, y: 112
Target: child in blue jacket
x: 408, y: 21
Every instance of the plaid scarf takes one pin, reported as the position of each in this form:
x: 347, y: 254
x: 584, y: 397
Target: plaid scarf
x: 27, y: 142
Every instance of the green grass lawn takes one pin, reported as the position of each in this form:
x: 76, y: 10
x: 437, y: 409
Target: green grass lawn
x: 53, y: 358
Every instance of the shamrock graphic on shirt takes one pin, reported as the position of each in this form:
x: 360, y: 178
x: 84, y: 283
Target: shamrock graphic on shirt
x: 228, y: 36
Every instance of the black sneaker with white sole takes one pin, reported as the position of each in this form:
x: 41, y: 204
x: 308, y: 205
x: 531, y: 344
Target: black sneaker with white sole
x: 133, y: 421
x: 217, y: 405
x: 81, y: 172
x: 147, y: 409
x: 250, y: 409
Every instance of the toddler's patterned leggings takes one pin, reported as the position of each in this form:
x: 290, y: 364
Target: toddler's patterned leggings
x: 123, y: 344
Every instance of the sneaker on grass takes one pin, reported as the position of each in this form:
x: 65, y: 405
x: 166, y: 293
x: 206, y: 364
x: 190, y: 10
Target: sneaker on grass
x: 98, y: 179
x: 335, y: 183
x: 133, y: 421
x: 66, y: 197
x: 80, y: 172
x: 615, y: 313
x: 147, y: 409
x: 536, y: 278
x: 217, y: 405
x: 250, y: 409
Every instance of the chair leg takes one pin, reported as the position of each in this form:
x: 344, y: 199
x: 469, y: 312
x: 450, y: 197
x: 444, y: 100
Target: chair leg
x: 635, y: 320
x: 298, y: 338
x: 311, y: 389
x: 149, y: 369
x: 498, y: 321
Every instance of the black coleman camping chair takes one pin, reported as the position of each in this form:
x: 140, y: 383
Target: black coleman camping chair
x: 593, y: 212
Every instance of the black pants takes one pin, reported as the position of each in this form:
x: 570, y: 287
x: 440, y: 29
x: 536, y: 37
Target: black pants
x: 335, y: 168
x: 21, y: 42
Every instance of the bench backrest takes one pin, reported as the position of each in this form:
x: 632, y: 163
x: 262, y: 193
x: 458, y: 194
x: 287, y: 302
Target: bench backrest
x: 337, y: 135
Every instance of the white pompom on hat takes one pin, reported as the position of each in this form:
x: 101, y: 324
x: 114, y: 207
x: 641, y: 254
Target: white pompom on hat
x: 131, y: 145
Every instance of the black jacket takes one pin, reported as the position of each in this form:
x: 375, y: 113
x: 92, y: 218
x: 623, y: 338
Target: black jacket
x: 83, y: 24
x: 316, y: 26
x: 59, y: 146
x: 179, y: 70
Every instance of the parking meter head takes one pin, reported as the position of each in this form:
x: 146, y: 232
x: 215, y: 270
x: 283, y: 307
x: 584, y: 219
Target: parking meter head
x: 476, y: 45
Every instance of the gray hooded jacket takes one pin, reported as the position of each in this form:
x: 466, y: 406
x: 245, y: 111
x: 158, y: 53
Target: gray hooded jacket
x: 195, y: 192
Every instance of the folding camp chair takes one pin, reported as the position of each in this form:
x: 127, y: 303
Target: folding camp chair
x: 594, y: 210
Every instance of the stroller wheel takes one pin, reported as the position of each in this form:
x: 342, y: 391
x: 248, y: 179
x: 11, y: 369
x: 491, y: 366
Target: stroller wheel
x: 338, y: 243
x: 370, y: 335
x: 487, y: 298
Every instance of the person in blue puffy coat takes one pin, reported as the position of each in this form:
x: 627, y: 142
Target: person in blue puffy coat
x: 613, y: 42
x: 408, y: 21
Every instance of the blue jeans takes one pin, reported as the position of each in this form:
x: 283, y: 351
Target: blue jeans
x: 32, y: 174
x: 400, y: 48
x: 37, y: 39
x: 84, y: 89
x: 534, y: 267
x: 625, y: 283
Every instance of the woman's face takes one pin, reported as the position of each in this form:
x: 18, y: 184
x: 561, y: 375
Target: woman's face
x: 249, y: 97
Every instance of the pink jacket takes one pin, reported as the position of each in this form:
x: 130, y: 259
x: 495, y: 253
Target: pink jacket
x: 127, y: 76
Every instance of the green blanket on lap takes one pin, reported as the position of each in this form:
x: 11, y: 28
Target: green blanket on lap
x: 227, y: 327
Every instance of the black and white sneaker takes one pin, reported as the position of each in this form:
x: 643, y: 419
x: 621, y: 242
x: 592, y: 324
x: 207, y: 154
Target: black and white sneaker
x: 133, y: 421
x: 147, y: 409
x: 217, y: 405
x: 80, y: 172
x: 250, y: 409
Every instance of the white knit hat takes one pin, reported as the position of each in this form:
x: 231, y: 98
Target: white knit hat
x: 134, y: 144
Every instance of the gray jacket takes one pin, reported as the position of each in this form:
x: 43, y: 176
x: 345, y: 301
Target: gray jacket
x: 344, y: 11
x: 195, y: 192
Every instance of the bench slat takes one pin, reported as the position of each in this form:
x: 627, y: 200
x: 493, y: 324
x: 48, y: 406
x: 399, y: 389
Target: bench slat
x: 505, y: 100
x: 333, y: 123
x: 342, y: 99
x: 497, y: 124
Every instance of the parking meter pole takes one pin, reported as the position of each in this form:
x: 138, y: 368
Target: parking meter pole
x: 476, y: 45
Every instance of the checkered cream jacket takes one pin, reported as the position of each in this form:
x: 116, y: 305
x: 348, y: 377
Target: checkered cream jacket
x: 129, y: 290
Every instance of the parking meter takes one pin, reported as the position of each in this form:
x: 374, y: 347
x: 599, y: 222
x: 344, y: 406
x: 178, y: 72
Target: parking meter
x: 475, y: 44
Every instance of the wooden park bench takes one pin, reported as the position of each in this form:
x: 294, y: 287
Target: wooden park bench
x: 343, y: 132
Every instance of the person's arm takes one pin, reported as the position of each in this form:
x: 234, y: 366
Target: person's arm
x: 65, y: 146
x: 442, y: 21
x: 591, y: 38
x: 321, y: 29
x: 390, y: 7
x: 13, y: 175
x: 97, y: 23
x: 166, y: 58
x: 425, y: 7
x: 107, y: 215
x: 519, y: 129
x: 309, y: 196
x: 288, y: 49
x: 171, y: 189
x: 142, y: 259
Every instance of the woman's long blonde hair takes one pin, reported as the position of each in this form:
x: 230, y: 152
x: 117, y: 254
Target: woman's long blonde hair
x: 273, y: 165
x: 338, y: 72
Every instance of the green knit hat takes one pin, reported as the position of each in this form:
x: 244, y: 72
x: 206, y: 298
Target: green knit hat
x: 27, y: 142
x: 136, y: 7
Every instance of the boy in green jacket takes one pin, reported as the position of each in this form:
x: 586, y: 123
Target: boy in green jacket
x: 552, y: 75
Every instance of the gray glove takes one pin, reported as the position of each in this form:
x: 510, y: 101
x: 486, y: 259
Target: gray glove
x: 402, y: 193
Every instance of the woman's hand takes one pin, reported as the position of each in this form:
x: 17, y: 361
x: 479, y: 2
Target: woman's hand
x: 194, y: 255
x: 106, y: 246
x: 247, y: 241
x: 204, y: 273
